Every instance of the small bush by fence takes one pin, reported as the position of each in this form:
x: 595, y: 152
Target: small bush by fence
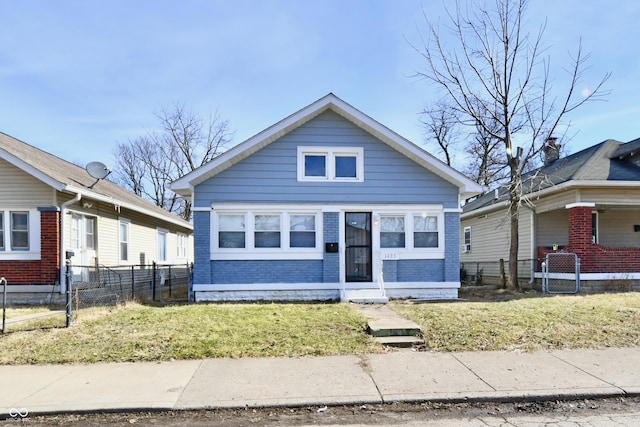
x: 101, y: 285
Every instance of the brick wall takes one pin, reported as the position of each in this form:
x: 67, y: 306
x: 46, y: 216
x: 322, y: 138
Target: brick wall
x: 44, y: 271
x: 266, y: 271
x: 451, y: 247
x: 331, y: 233
x: 422, y: 270
x: 202, y: 247
x: 596, y: 258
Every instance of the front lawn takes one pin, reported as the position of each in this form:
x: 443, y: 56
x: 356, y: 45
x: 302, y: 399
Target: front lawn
x: 134, y: 332
x: 529, y: 324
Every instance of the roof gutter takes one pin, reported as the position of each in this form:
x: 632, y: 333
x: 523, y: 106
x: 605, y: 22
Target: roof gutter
x: 63, y: 212
x: 101, y: 198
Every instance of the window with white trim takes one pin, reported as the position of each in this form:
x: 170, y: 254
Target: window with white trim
x: 335, y: 164
x: 82, y: 232
x: 467, y: 240
x: 266, y: 232
x: 425, y: 231
x: 182, y: 240
x: 302, y: 231
x: 231, y: 232
x: 19, y: 231
x: 392, y: 231
x: 123, y: 238
x: 163, y: 245
x: 20, y: 234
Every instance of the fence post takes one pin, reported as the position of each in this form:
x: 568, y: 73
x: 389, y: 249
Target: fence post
x: 3, y: 281
x: 503, y: 281
x: 67, y: 280
x: 153, y: 281
x: 190, y: 272
x: 169, y: 281
x: 133, y: 283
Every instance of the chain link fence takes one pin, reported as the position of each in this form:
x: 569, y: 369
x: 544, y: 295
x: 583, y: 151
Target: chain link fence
x: 496, y: 272
x: 100, y: 285
x: 561, y: 273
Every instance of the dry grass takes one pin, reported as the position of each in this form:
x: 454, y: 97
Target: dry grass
x: 142, y: 333
x: 134, y: 332
x: 559, y: 322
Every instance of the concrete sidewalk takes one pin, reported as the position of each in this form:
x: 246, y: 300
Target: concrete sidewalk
x: 338, y: 380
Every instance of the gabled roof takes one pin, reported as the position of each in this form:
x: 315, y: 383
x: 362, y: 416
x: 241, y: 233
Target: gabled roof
x: 66, y: 177
x: 186, y: 184
x: 604, y: 164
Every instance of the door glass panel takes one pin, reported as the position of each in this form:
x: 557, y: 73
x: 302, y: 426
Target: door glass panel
x: 358, y: 247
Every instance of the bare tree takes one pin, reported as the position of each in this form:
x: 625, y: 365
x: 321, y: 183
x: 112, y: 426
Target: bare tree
x: 147, y: 164
x: 440, y: 124
x: 497, y: 73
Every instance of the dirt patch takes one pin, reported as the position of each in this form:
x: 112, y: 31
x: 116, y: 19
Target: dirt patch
x: 377, y: 414
x: 490, y: 293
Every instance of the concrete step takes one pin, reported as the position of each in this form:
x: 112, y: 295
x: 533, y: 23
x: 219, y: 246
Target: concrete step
x: 365, y: 296
x: 401, y: 341
x: 393, y: 327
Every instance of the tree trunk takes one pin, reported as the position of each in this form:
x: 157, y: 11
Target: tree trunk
x: 514, y: 203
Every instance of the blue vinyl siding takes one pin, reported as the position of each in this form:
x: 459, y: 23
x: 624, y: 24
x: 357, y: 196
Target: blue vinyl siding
x: 270, y: 175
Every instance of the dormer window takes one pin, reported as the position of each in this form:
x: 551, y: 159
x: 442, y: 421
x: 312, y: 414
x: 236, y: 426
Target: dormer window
x: 334, y: 164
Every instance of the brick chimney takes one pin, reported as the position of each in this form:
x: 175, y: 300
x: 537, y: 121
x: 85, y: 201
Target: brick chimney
x: 551, y: 150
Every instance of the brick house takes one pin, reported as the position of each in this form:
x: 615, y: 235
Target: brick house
x: 326, y: 204
x: 587, y: 203
x: 50, y: 207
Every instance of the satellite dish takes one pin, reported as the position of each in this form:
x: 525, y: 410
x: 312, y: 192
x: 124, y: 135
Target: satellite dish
x: 98, y: 170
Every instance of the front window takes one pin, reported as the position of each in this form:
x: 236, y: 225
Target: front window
x: 302, y: 231
x: 425, y: 231
x: 392, y: 232
x: 266, y: 234
x: 267, y: 231
x: 20, y: 231
x: 231, y: 231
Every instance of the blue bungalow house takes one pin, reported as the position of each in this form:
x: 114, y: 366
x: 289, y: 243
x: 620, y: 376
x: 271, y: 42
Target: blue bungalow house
x: 326, y: 204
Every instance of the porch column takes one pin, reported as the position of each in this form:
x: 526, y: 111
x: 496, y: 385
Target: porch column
x: 580, y: 227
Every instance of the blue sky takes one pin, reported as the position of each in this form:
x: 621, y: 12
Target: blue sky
x: 78, y: 76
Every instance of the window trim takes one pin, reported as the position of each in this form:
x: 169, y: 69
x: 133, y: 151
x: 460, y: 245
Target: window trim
x: 12, y: 230
x: 33, y: 233
x: 330, y: 154
x: 250, y: 251
x: 127, y: 223
x: 182, y: 243
x: 162, y: 252
x: 409, y: 251
x: 466, y: 237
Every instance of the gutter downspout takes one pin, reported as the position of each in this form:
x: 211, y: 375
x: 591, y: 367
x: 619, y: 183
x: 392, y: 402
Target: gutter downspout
x: 63, y: 211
